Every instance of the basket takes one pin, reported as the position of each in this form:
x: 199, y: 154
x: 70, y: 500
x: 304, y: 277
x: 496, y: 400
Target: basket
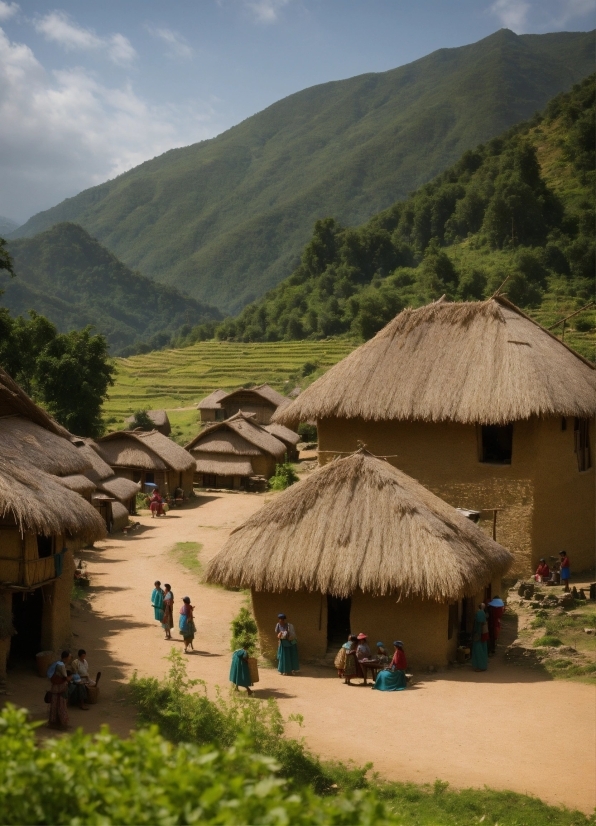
x: 92, y: 694
x: 44, y: 660
x: 253, y: 668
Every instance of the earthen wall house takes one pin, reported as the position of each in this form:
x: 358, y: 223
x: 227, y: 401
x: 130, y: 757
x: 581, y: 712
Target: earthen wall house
x: 261, y: 402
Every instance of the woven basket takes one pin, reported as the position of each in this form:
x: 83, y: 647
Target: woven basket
x: 253, y: 668
x: 92, y: 694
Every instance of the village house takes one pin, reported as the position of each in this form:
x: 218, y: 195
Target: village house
x: 44, y: 517
x: 114, y: 497
x: 261, y: 401
x: 160, y: 421
x: 148, y: 457
x: 228, y: 453
x: 481, y: 405
x: 360, y: 546
x: 288, y: 437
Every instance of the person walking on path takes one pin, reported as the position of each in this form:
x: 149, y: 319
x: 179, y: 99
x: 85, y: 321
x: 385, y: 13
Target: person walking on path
x: 565, y: 570
x: 157, y: 601
x: 480, y: 640
x: 496, y: 609
x: 239, y: 670
x: 167, y: 620
x: 186, y: 624
x: 287, y: 650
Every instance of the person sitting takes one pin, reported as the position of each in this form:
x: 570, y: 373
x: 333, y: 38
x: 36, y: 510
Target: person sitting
x: 394, y: 677
x: 382, y: 656
x: 80, y: 666
x: 156, y: 504
x: 542, y: 571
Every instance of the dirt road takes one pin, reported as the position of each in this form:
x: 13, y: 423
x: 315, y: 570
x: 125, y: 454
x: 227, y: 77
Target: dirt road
x: 510, y: 728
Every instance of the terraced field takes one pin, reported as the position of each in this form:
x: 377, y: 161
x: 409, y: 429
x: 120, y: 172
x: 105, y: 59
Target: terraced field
x: 175, y: 379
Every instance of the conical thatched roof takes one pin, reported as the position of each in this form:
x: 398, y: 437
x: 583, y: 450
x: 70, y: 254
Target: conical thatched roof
x: 236, y: 435
x: 484, y: 362
x: 359, y: 523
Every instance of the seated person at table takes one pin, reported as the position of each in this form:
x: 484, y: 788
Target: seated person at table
x: 542, y: 571
x: 382, y: 657
x: 394, y: 677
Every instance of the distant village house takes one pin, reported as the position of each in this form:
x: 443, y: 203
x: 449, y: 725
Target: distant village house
x: 261, y: 401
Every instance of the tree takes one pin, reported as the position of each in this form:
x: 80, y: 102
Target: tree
x: 141, y: 421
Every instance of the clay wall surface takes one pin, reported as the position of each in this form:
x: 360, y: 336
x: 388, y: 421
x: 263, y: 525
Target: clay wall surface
x: 263, y: 465
x: 250, y: 404
x: 306, y: 611
x: 56, y: 629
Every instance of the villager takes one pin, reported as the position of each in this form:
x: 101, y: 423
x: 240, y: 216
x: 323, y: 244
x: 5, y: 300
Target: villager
x: 351, y: 666
x: 77, y: 690
x: 363, y: 652
x: 394, y: 677
x: 156, y: 504
x: 542, y: 571
x: 239, y: 670
x: 340, y: 658
x: 496, y: 609
x: 167, y: 621
x: 287, y: 651
x: 157, y: 601
x: 186, y: 623
x: 565, y: 570
x: 382, y: 655
x: 59, y: 681
x: 480, y: 639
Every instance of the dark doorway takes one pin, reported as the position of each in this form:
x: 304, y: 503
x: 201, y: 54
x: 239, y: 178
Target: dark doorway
x: 338, y: 619
x: 27, y: 610
x: 496, y: 444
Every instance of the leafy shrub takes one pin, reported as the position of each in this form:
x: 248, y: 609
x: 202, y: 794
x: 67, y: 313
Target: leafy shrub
x: 244, y: 631
x: 284, y: 476
x: 546, y: 641
x: 141, y: 420
x: 307, y: 432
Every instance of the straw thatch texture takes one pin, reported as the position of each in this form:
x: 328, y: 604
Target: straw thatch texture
x: 122, y: 489
x: 482, y: 362
x: 263, y: 391
x: 244, y: 426
x: 40, y: 504
x: 212, y: 401
x: 282, y: 433
x: 359, y: 523
x: 120, y: 516
x: 223, y: 465
x: 80, y: 484
x: 14, y: 400
x: 98, y: 468
x: 143, y: 450
x: 24, y: 440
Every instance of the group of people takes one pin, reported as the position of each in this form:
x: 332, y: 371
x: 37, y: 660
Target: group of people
x: 69, y: 681
x: 355, y: 659
x: 544, y: 573
x: 162, y: 601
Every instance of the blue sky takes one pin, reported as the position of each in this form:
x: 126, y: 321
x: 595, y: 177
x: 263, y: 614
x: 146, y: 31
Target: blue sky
x: 88, y: 90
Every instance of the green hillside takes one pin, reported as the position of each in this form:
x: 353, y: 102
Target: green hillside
x: 520, y: 207
x: 225, y: 220
x: 67, y: 276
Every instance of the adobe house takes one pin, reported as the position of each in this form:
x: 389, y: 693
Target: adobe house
x: 43, y: 519
x: 261, y: 401
x: 227, y: 453
x: 143, y: 456
x: 481, y: 405
x: 160, y: 421
x: 360, y: 546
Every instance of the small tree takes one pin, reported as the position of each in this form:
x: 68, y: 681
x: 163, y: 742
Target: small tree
x: 141, y: 420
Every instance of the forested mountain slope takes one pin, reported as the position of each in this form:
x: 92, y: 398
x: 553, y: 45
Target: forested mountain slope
x: 225, y: 220
x: 519, y: 209
x: 67, y: 276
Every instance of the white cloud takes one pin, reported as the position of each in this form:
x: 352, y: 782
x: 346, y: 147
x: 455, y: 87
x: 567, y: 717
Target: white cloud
x: 513, y: 14
x: 58, y: 27
x: 63, y: 131
x: 8, y: 10
x: 266, y: 11
x: 177, y: 45
x: 572, y: 9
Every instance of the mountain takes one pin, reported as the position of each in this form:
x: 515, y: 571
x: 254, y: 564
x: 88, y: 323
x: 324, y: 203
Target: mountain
x: 225, y: 219
x: 519, y: 210
x: 6, y: 226
x: 70, y: 278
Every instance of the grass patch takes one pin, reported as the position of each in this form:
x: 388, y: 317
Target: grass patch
x: 187, y: 554
x: 547, y: 641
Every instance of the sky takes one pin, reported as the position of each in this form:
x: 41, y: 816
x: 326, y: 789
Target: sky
x: 89, y: 90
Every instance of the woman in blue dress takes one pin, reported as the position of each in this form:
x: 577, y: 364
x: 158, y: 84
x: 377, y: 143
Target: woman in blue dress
x: 157, y: 601
x: 394, y: 677
x: 239, y: 670
x: 480, y: 640
x: 287, y: 650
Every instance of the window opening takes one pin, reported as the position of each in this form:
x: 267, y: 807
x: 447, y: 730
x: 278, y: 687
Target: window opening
x: 563, y: 424
x: 45, y: 546
x: 338, y: 619
x: 150, y: 477
x: 581, y: 434
x: 496, y: 443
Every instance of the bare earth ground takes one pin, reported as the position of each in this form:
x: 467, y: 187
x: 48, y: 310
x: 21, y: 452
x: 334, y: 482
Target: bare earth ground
x: 509, y: 728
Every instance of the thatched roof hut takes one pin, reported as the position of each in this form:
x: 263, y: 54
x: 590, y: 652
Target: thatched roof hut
x: 262, y: 401
x: 213, y: 400
x: 22, y: 439
x: 478, y: 362
x: 160, y: 421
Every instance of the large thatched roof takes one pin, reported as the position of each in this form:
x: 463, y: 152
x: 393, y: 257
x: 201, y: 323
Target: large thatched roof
x: 24, y: 440
x: 284, y: 434
x: 145, y: 450
x: 359, y: 523
x: 236, y: 435
x: 483, y: 362
x: 14, y: 401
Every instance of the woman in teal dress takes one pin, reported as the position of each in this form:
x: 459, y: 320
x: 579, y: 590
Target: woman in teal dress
x: 287, y: 650
x: 157, y: 601
x: 480, y: 640
x: 239, y: 670
x: 394, y: 677
x: 186, y: 623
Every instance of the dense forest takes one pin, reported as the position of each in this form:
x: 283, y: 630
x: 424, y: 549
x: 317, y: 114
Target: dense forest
x: 519, y: 209
x: 226, y: 219
x: 71, y: 279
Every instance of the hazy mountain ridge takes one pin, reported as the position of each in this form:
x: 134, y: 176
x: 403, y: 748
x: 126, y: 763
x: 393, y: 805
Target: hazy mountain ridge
x: 66, y: 275
x: 226, y: 219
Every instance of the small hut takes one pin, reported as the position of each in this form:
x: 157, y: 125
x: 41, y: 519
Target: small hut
x: 262, y: 401
x: 160, y: 421
x: 288, y: 437
x: 484, y: 407
x: 228, y: 453
x: 148, y: 457
x: 114, y: 497
x: 360, y: 546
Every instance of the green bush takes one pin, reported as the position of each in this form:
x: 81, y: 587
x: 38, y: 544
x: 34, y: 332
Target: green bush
x: 244, y: 632
x: 141, y: 420
x: 547, y: 641
x: 284, y: 476
x: 307, y: 432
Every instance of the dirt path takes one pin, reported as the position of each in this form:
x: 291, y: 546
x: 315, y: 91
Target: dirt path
x: 511, y: 728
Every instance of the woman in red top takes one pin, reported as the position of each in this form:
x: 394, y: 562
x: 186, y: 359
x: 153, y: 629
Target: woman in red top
x: 542, y: 571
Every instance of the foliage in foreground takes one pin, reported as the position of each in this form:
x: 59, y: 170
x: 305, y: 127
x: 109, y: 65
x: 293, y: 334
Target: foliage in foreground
x: 184, y: 715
